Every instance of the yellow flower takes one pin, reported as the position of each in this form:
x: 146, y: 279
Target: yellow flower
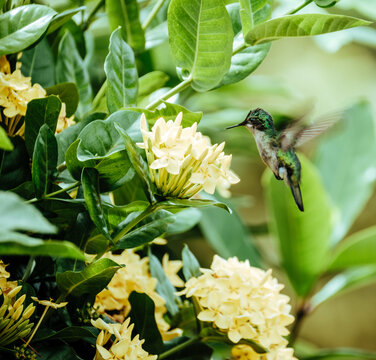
x: 245, y: 352
x: 135, y: 276
x: 123, y: 347
x: 171, y: 269
x: 243, y: 301
x: 63, y: 121
x: 183, y: 162
x: 49, y: 303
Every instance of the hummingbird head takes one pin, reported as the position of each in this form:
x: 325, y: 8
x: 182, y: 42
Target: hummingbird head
x: 257, y: 119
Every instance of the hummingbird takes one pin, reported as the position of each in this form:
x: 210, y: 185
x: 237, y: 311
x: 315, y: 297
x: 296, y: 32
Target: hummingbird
x: 277, y: 148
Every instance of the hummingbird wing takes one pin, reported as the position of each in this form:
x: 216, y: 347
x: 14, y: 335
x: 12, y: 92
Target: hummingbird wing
x: 298, y: 132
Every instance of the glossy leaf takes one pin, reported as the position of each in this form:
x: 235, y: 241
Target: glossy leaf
x: 200, y: 35
x: 72, y: 333
x: 39, y: 64
x: 191, y: 266
x: 164, y: 286
x: 40, y: 111
x: 142, y: 314
x: 90, y: 185
x: 347, y: 280
x: 124, y: 13
x: 300, y: 25
x: 325, y: 3
x: 68, y: 94
x: 13, y: 243
x: 341, y: 353
x: 151, y: 81
x: 357, y: 250
x: 71, y: 68
x: 349, y: 178
x: 253, y: 12
x: 17, y: 215
x: 44, y: 160
x: 5, y: 143
x: 74, y: 165
x: 184, y: 203
x: 185, y: 220
x: 303, y: 237
x: 121, y: 72
x: 91, y: 280
x: 60, y: 19
x: 23, y: 26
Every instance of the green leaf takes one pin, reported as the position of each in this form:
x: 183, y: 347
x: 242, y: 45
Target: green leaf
x: 138, y: 163
x: 164, y: 286
x: 23, y: 26
x: 39, y: 64
x: 13, y: 243
x: 72, y: 333
x: 151, y: 82
x: 185, y: 220
x: 56, y: 351
x: 5, y: 143
x: 200, y: 35
x: 68, y: 94
x: 356, y: 164
x: 300, y: 25
x: 71, y: 68
x: 40, y: 111
x: 61, y: 18
x: 358, y: 249
x: 44, y: 160
x: 219, y: 226
x: 142, y: 315
x: 344, y: 281
x: 341, y: 353
x: 220, y: 350
x: 90, y: 185
x: 325, y: 3
x: 156, y: 36
x: 91, y: 280
x: 74, y: 165
x: 304, y: 237
x: 124, y: 13
x: 253, y: 12
x: 152, y: 227
x: 184, y: 203
x: 121, y: 71
x: 191, y: 266
x: 17, y: 215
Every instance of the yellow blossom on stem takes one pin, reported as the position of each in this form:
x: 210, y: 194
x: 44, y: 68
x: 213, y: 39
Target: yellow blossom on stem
x: 182, y: 161
x: 171, y: 269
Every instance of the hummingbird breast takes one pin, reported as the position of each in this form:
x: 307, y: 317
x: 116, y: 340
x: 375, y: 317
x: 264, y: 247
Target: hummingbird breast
x: 268, y: 148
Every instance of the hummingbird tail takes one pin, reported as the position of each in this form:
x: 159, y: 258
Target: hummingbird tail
x: 296, y: 193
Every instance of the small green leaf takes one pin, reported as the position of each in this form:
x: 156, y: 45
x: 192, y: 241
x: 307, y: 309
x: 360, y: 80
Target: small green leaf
x: 5, y: 143
x: 60, y: 19
x: 71, y: 68
x: 90, y: 185
x: 150, y: 82
x: 300, y: 25
x: 200, y: 35
x: 124, y: 13
x: 164, y: 286
x: 17, y: 215
x: 44, y: 161
x: 357, y: 250
x: 40, y: 111
x: 13, y: 243
x: 246, y: 15
x: 23, y: 26
x: 91, y: 280
x: 191, y: 266
x: 121, y: 72
x: 184, y: 203
x: 325, y: 3
x: 142, y: 315
x: 68, y: 94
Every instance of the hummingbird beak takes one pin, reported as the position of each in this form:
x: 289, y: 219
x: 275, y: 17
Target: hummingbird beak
x: 241, y: 124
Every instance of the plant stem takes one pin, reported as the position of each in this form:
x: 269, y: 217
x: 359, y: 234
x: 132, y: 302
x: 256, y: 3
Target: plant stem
x: 181, y: 86
x: 299, y: 7
x: 29, y: 268
x: 152, y: 14
x: 62, y: 190
x: 92, y: 13
x: 303, y: 310
x: 239, y: 48
x: 177, y: 348
x: 37, y: 326
x: 98, y: 97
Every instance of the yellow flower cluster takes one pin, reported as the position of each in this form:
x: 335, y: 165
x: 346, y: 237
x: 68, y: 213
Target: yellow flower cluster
x: 5, y: 285
x: 135, y: 276
x: 245, y: 352
x: 183, y: 162
x: 123, y: 347
x: 243, y: 301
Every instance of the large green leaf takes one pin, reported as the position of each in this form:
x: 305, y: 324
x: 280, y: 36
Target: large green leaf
x: 253, y: 12
x: 124, y: 13
x: 13, y: 243
x: 121, y: 72
x: 185, y: 220
x: 341, y: 353
x: 74, y: 165
x: 151, y: 81
x: 304, y: 237
x: 17, y: 215
x: 142, y: 315
x: 61, y: 18
x: 68, y: 94
x: 90, y: 185
x: 347, y: 280
x: 359, y: 249
x: 71, y: 333
x: 5, y: 143
x: 300, y: 25
x: 348, y: 172
x: 38, y: 63
x: 44, y: 160
x: 23, y: 26
x: 39, y: 112
x: 201, y: 35
x: 91, y: 280
x: 186, y: 203
x: 71, y: 68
